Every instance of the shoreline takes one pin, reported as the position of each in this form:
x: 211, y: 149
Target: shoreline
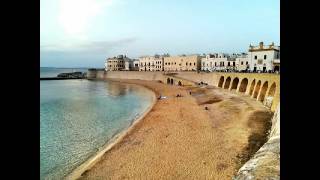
x: 117, y: 138
x: 160, y: 147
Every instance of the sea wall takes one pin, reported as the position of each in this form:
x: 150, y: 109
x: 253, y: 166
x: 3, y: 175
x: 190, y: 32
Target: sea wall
x: 265, y: 164
x: 263, y: 87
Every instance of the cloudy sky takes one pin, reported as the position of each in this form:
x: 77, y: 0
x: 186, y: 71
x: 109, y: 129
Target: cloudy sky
x: 83, y: 33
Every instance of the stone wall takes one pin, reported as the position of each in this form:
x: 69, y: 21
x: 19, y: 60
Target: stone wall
x: 265, y: 164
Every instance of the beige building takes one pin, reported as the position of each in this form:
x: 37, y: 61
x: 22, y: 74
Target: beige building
x: 119, y: 63
x: 151, y: 63
x: 182, y: 63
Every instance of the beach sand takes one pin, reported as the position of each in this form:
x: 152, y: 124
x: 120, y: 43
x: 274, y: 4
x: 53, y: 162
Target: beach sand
x: 179, y: 139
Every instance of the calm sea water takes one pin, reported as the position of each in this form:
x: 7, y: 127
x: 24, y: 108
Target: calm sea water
x: 79, y: 116
x: 53, y: 72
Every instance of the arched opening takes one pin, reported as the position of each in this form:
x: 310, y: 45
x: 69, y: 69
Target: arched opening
x: 171, y: 82
x: 168, y: 81
x: 227, y: 83
x: 252, y: 87
x: 263, y: 91
x: 243, y: 85
x: 256, y: 90
x: 235, y: 83
x: 269, y: 98
x: 272, y: 90
x: 221, y: 81
x: 179, y: 83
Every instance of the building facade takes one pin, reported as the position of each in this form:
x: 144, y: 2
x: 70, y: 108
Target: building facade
x: 182, y: 63
x: 218, y: 62
x: 242, y: 63
x: 136, y: 65
x: 264, y: 58
x: 119, y: 63
x: 151, y: 63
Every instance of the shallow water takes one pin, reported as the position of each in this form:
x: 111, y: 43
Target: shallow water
x: 79, y: 116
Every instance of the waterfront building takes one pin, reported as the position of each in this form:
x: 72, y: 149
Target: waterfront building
x: 218, y: 62
x: 264, y: 58
x: 128, y: 65
x: 118, y: 63
x: 151, y: 63
x: 182, y: 63
x: 242, y: 62
x: 136, y: 65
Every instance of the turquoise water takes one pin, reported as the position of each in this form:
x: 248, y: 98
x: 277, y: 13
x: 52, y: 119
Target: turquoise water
x: 79, y: 116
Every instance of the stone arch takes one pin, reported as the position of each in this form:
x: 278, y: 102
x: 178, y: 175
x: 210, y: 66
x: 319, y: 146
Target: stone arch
x: 179, y: 83
x: 227, y: 83
x: 243, y: 85
x: 221, y: 81
x: 252, y: 87
x: 256, y: 90
x: 269, y: 99
x: 272, y: 90
x: 263, y: 91
x: 171, y: 81
x: 168, y: 81
x: 235, y: 83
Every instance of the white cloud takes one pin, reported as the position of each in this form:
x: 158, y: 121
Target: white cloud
x: 76, y: 15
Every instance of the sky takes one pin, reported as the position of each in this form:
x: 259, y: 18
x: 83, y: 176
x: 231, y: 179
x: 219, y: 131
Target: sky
x: 83, y: 33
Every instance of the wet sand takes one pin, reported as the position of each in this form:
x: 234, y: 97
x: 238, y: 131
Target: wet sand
x: 179, y: 139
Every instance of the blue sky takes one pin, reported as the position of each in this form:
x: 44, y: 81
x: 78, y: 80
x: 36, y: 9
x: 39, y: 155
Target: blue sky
x: 83, y: 33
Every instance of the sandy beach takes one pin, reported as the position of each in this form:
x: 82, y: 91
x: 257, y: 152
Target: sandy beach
x: 180, y: 139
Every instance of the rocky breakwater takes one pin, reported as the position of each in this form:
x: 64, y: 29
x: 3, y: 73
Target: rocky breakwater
x: 265, y: 164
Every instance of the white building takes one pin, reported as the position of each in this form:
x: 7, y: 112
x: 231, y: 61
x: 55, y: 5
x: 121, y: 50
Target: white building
x: 151, y: 63
x: 218, y: 62
x: 136, y: 65
x: 128, y: 64
x: 242, y: 62
x: 264, y: 58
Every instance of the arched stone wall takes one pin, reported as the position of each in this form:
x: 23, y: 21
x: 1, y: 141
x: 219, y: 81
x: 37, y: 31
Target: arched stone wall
x: 221, y: 81
x: 257, y: 89
x: 253, y: 84
x: 243, y: 85
x: 235, y: 83
x: 263, y: 91
x: 227, y: 83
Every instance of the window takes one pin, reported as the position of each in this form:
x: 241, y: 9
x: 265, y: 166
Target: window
x: 228, y: 63
x: 175, y: 63
x: 234, y: 63
x: 186, y: 63
x: 247, y: 63
x: 194, y: 64
x: 203, y: 64
x: 190, y: 64
x: 265, y: 57
x: 241, y: 62
x: 215, y: 63
x: 255, y: 57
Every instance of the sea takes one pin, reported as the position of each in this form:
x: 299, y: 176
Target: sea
x: 78, y: 117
